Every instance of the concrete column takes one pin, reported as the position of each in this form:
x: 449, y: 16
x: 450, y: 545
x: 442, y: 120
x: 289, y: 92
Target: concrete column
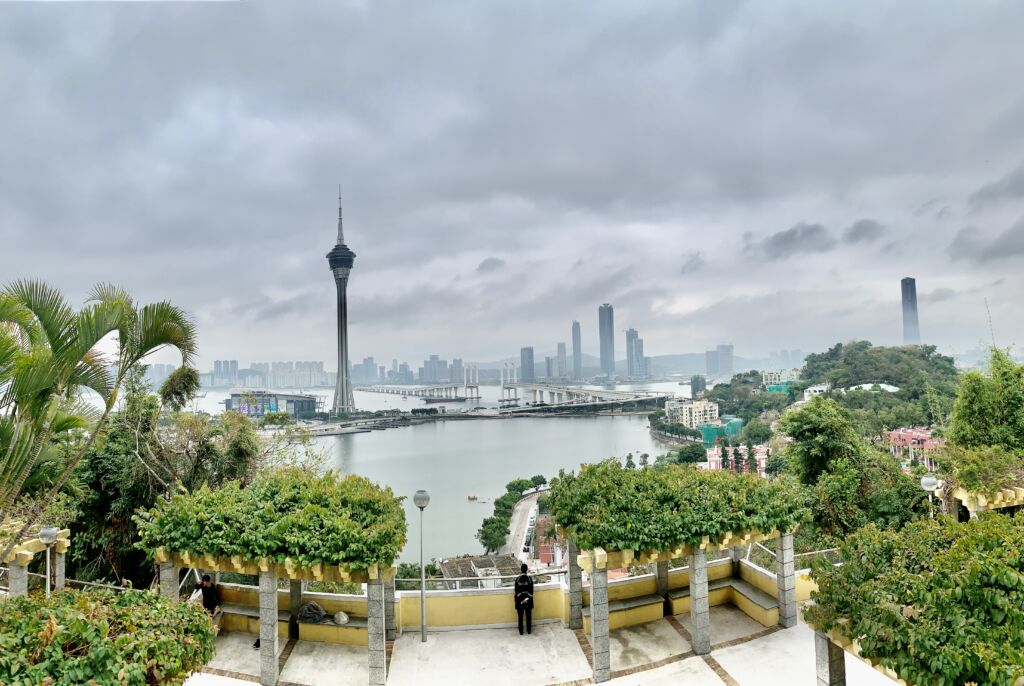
x: 829, y: 661
x: 169, y: 581
x: 661, y: 577
x: 390, y: 630
x: 736, y: 554
x: 295, y: 590
x: 17, y: 580
x: 375, y: 627
x: 599, y: 625
x: 785, y: 571
x: 575, y: 589
x: 59, y: 565
x: 268, y: 628
x: 700, y: 612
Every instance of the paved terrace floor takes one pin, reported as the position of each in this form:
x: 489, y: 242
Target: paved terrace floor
x: 658, y: 653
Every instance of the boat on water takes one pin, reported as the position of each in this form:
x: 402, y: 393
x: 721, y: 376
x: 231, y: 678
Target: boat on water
x: 471, y: 498
x: 405, y: 397
x: 433, y: 401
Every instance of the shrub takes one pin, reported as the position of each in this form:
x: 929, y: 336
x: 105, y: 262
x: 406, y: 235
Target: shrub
x: 132, y: 638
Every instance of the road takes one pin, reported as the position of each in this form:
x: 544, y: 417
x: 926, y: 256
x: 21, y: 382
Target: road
x: 520, y: 517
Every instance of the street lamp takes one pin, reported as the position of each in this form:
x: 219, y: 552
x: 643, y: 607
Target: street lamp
x: 930, y: 483
x: 48, y: 536
x: 421, y: 499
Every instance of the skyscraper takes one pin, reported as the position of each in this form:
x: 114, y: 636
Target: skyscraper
x: 526, y: 369
x: 634, y: 355
x: 606, y: 334
x: 563, y: 366
x: 341, y: 260
x: 911, y: 332
x: 725, y: 364
x: 711, y: 363
x: 577, y: 352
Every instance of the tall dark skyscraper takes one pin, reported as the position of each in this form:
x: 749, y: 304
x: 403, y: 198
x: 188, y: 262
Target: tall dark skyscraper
x: 577, y: 352
x: 341, y: 260
x: 527, y: 370
x: 606, y: 334
x: 911, y: 332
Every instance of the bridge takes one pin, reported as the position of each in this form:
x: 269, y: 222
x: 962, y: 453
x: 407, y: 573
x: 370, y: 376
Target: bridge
x: 552, y: 397
x: 444, y: 391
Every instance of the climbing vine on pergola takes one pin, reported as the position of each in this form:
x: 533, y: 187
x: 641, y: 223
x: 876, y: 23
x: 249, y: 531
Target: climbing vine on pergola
x: 937, y: 603
x: 289, y: 518
x: 664, y: 509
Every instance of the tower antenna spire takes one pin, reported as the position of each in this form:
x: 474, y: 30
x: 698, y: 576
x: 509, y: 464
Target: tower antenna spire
x: 341, y: 231
x: 991, y: 330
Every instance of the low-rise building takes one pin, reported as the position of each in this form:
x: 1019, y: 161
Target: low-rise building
x: 816, y: 390
x: 691, y: 413
x: 715, y: 460
x: 915, y: 443
x: 257, y: 403
x: 781, y: 376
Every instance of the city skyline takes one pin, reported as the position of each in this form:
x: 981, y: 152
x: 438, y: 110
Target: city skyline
x: 741, y: 217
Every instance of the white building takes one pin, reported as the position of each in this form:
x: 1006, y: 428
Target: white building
x: 691, y: 413
x: 816, y: 390
x: 774, y: 378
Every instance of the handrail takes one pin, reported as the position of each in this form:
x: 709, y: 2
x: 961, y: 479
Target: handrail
x: 67, y: 582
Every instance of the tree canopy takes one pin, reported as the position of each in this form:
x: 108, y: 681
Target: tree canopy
x: 989, y: 409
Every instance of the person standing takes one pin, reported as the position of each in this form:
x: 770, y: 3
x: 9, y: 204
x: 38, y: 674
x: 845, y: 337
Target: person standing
x: 211, y: 595
x: 524, y: 600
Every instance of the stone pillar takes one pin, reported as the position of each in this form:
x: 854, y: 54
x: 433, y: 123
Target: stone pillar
x: 295, y: 590
x: 17, y: 580
x: 575, y: 588
x: 375, y: 627
x: 785, y: 571
x: 59, y: 565
x: 268, y: 628
x: 661, y: 577
x: 700, y: 612
x: 169, y: 581
x: 390, y: 630
x: 736, y: 554
x: 599, y: 625
x: 829, y: 660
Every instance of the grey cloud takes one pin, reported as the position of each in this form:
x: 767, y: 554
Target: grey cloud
x: 938, y: 295
x: 801, y: 238
x: 863, y: 231
x: 1008, y: 188
x: 490, y: 264
x: 692, y: 262
x: 971, y: 244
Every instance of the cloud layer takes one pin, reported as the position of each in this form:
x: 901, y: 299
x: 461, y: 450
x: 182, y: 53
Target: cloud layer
x: 761, y: 173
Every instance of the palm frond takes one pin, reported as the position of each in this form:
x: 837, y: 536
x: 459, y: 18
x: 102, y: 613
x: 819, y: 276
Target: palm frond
x: 91, y: 372
x: 49, y: 308
x: 92, y: 325
x: 160, y: 325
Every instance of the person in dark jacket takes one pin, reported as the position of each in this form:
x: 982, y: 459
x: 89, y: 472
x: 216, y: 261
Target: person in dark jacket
x: 524, y: 600
x: 211, y: 595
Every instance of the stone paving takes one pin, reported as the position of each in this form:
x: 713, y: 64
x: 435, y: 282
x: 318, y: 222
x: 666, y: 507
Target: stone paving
x: 743, y: 653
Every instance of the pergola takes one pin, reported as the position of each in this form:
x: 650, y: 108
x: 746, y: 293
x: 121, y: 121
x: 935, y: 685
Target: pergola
x: 380, y: 592
x: 598, y: 561
x: 20, y: 557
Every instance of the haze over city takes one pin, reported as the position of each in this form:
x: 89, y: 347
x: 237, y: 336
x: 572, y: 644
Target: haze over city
x: 727, y: 171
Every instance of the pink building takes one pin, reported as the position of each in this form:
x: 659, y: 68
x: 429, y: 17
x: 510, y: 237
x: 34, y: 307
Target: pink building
x: 914, y: 442
x: 714, y: 460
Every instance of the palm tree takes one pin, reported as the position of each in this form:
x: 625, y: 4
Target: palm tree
x: 50, y: 354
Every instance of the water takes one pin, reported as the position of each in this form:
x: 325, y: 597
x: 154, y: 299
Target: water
x: 455, y: 459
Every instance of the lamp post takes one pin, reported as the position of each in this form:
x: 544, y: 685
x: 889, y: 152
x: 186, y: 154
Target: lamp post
x: 421, y: 499
x: 48, y: 536
x: 930, y: 483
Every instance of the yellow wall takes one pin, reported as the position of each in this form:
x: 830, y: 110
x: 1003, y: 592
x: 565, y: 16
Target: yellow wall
x: 473, y: 608
x: 331, y: 603
x: 804, y: 586
x: 760, y: 580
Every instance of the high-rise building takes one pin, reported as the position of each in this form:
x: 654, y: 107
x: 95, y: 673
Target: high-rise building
x: 527, y: 372
x: 725, y: 363
x: 563, y: 365
x: 577, y: 352
x: 911, y: 332
x: 711, y: 363
x: 636, y: 364
x: 455, y: 372
x: 435, y: 370
x: 551, y: 367
x: 606, y: 334
x: 341, y: 259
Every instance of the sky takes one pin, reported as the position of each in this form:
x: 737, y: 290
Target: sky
x: 760, y: 173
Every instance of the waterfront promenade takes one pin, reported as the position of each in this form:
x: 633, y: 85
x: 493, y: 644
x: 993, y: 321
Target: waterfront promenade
x: 658, y: 653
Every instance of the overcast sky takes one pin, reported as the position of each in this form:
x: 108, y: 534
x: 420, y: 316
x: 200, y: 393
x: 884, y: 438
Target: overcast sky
x: 756, y: 172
